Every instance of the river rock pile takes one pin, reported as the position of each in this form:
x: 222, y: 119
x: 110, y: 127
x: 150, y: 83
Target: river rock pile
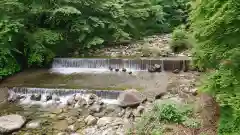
x: 88, y: 115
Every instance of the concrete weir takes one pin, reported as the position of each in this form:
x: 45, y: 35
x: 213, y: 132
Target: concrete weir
x: 168, y: 63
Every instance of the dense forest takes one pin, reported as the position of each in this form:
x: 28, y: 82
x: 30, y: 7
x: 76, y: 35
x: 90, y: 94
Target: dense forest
x: 33, y: 32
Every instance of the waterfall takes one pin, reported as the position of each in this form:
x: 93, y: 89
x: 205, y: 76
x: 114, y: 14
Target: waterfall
x: 83, y: 64
x: 106, y: 94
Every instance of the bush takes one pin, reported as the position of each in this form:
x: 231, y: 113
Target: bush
x: 180, y: 40
x: 215, y: 26
x: 165, y: 112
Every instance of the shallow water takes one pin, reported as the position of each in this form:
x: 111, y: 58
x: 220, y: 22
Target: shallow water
x: 105, y: 81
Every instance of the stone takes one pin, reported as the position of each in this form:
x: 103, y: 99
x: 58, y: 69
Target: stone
x: 104, y: 121
x: 82, y: 102
x: 71, y: 120
x: 61, y: 125
x: 124, y: 70
x: 11, y: 122
x: 91, y: 99
x: 48, y: 97
x: 176, y: 71
x: 62, y: 133
x: 33, y: 124
x: 110, y: 68
x: 130, y: 98
x: 8, y: 95
x: 139, y: 111
x: 73, y: 127
x: 71, y: 101
x: 116, y: 69
x: 154, y: 68
x: 57, y: 111
x: 95, y: 108
x: 130, y: 72
x: 36, y: 97
x: 78, y: 97
x: 128, y: 113
x: 90, y: 120
x: 157, y: 67
x: 112, y: 108
x: 99, y: 115
x: 120, y: 114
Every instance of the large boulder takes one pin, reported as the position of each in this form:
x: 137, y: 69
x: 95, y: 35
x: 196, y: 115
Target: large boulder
x: 11, y: 122
x: 130, y: 98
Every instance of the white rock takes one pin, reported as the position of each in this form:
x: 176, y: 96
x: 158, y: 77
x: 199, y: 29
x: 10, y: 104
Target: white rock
x: 12, y: 122
x: 33, y: 124
x: 90, y: 120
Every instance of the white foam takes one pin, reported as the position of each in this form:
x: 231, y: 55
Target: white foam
x: 86, y: 70
x: 61, y: 103
x: 78, y: 70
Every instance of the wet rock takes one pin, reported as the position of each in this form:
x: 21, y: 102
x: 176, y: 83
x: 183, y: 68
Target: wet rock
x: 110, y: 68
x: 10, y: 123
x: 91, y: 99
x: 12, y: 96
x: 116, y: 69
x: 36, y: 97
x: 48, y: 97
x: 130, y: 72
x: 176, y: 71
x: 154, y: 68
x: 71, y: 101
x: 82, y: 102
x: 124, y: 69
x: 34, y: 124
x: 61, y: 125
x: 90, y: 120
x: 130, y: 98
x: 78, y: 97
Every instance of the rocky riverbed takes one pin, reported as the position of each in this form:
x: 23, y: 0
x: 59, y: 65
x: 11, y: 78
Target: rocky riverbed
x: 89, y: 114
x: 152, y: 46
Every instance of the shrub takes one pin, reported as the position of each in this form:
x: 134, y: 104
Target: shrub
x: 215, y: 26
x: 192, y: 123
x: 162, y: 113
x: 180, y: 40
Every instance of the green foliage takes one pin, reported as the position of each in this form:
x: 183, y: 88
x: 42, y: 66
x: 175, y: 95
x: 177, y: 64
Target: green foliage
x: 180, y: 40
x: 192, y: 123
x: 215, y: 26
x: 165, y: 112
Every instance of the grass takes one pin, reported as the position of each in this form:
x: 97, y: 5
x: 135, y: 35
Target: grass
x: 165, y: 113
